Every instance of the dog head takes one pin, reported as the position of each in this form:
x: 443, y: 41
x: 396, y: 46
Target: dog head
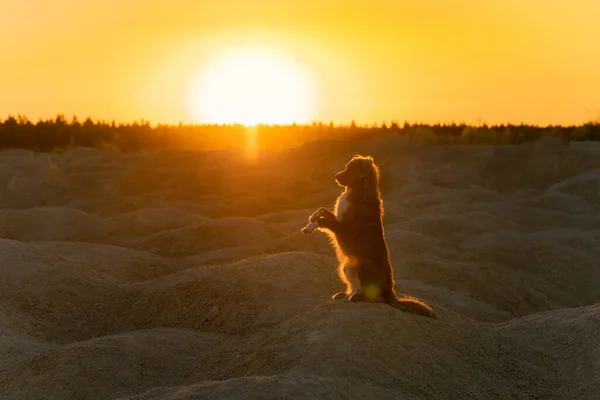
x: 359, y: 171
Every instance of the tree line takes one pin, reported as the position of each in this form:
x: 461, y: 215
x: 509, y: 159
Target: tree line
x: 59, y: 134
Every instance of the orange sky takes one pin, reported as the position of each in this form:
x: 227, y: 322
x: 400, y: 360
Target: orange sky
x: 476, y: 61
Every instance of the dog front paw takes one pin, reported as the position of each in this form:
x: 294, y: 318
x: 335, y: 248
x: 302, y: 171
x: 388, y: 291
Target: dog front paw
x: 339, y: 296
x: 356, y: 297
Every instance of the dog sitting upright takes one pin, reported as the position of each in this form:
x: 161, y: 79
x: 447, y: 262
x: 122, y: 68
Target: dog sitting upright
x: 356, y: 232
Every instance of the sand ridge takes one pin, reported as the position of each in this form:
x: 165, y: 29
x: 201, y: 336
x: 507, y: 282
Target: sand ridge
x: 184, y: 275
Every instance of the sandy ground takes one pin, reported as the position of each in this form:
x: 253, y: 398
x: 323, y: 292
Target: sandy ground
x: 184, y: 275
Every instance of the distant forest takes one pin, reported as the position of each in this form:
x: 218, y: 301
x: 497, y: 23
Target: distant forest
x: 58, y: 134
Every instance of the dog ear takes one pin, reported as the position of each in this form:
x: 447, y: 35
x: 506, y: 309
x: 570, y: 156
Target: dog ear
x: 366, y: 166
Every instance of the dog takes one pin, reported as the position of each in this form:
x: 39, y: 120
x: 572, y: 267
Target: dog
x: 355, y: 228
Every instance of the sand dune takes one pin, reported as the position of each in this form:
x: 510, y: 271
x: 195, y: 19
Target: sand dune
x: 184, y: 275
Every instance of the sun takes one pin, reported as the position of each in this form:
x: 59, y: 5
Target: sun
x: 252, y: 85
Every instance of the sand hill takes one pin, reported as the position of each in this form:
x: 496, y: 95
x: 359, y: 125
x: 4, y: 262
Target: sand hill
x: 184, y: 275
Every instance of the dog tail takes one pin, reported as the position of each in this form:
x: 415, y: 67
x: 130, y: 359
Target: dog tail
x: 413, y: 305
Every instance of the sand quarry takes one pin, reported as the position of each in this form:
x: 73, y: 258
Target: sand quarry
x: 184, y: 275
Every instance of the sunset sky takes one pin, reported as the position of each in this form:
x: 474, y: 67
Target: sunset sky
x: 533, y: 61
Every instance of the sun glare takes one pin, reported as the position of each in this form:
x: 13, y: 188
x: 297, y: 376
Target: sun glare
x: 252, y: 85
